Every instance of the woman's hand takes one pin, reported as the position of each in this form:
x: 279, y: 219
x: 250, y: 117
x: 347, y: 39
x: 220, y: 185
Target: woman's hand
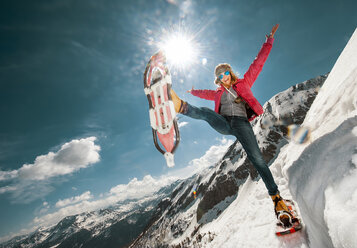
x: 271, y: 35
x: 189, y: 91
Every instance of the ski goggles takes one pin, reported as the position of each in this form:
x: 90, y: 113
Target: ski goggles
x: 221, y: 76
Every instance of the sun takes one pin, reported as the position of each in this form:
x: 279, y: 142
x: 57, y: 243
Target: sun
x: 180, y: 49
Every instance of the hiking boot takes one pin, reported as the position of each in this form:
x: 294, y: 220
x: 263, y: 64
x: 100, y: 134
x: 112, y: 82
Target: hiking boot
x: 180, y: 106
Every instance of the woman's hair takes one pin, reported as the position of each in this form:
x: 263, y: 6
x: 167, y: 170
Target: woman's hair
x: 223, y: 68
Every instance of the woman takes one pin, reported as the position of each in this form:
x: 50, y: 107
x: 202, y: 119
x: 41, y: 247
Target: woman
x: 235, y: 106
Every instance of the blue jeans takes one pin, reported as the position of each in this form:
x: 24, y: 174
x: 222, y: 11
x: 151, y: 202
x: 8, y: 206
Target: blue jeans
x: 242, y: 130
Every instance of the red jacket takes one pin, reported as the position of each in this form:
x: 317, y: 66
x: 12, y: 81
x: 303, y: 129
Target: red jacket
x: 242, y: 86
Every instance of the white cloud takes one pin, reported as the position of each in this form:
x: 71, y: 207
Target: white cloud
x: 172, y: 2
x: 135, y: 189
x: 71, y: 157
x: 33, y: 181
x: 27, y: 191
x: 7, y: 189
x: 182, y: 124
x: 7, y: 175
x: 186, y: 8
x: 70, y: 201
x: 212, y: 156
x: 44, y: 208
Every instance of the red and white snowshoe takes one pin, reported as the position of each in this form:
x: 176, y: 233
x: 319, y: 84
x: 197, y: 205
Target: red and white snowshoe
x: 292, y: 225
x: 157, y: 86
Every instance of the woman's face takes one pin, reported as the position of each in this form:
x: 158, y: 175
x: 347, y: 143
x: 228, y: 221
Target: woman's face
x: 226, y: 80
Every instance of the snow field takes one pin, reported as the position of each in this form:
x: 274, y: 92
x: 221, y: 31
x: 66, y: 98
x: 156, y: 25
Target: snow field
x: 250, y: 221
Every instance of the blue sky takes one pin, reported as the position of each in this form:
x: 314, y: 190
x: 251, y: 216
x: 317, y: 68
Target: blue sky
x: 74, y: 116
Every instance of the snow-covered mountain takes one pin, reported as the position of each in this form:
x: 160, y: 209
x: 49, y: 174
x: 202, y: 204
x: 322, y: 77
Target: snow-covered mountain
x: 112, y: 227
x: 232, y: 207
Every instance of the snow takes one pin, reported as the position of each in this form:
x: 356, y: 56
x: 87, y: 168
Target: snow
x: 319, y: 175
x: 337, y: 99
x: 341, y: 211
x: 237, y: 227
x: 324, y: 163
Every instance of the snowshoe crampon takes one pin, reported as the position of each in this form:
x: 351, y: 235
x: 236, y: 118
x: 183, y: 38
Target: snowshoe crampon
x: 157, y: 86
x: 289, y: 223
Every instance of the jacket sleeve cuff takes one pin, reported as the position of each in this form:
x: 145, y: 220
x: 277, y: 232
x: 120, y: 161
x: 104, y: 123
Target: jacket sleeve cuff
x: 270, y: 41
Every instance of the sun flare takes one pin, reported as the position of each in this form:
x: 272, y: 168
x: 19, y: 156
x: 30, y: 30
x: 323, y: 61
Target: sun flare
x: 180, y: 50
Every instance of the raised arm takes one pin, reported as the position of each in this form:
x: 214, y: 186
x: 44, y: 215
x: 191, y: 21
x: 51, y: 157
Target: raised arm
x: 256, y: 67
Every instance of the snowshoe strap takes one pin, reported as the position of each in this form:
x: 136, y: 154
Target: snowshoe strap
x: 276, y: 200
x: 183, y: 107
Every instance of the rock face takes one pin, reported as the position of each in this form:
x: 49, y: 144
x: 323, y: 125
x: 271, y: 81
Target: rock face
x: 218, y: 186
x: 173, y: 215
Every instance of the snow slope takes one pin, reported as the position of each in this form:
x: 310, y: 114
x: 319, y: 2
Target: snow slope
x: 323, y: 181
x: 320, y: 176
x: 323, y: 178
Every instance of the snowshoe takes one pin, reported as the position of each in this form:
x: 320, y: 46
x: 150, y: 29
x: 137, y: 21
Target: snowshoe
x: 157, y: 86
x: 288, y: 222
